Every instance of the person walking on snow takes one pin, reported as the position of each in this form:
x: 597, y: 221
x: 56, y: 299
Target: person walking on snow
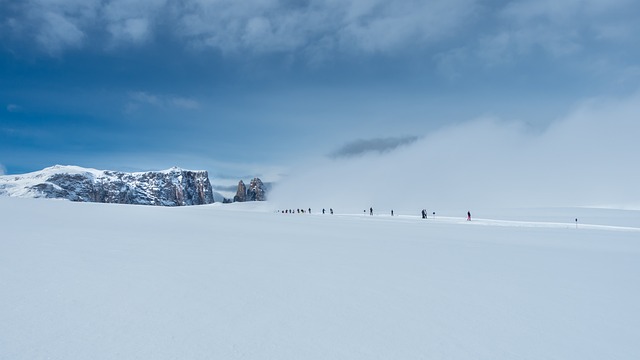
x: 371, y: 211
x: 468, y: 215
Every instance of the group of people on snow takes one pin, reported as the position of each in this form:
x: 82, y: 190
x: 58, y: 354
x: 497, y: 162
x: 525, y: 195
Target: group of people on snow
x: 301, y: 211
x: 296, y: 211
x: 423, y: 213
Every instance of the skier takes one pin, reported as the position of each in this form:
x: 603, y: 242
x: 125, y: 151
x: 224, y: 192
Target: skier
x: 371, y: 211
x: 391, y: 212
x: 468, y: 215
x: 322, y: 211
x: 331, y: 211
x: 309, y: 210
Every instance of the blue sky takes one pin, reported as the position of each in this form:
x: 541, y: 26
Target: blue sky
x: 247, y: 88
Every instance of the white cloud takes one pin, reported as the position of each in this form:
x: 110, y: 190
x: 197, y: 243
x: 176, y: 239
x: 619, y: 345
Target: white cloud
x: 389, y: 25
x: 318, y: 31
x: 3, y: 170
x: 138, y: 98
x: 58, y: 33
x: 565, y: 27
x: 262, y: 26
x: 558, y: 12
x: 144, y: 97
x: 574, y: 31
x: 131, y: 21
x: 185, y: 103
x: 134, y: 30
x: 587, y: 158
x: 14, y: 108
x: 54, y: 25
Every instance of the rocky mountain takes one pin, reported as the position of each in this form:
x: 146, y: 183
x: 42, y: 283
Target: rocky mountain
x: 173, y: 187
x: 257, y: 191
x: 241, y: 194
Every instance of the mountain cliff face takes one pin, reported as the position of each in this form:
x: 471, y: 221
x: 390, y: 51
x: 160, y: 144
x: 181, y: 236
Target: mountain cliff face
x: 257, y: 191
x: 241, y: 194
x: 173, y: 187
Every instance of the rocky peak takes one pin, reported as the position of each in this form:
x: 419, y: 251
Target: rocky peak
x: 241, y: 194
x: 256, y: 191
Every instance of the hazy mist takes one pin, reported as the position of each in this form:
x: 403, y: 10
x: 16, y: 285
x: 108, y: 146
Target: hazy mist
x: 587, y: 158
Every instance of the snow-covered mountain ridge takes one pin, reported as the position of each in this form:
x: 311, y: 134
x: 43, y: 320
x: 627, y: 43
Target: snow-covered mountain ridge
x: 171, y: 187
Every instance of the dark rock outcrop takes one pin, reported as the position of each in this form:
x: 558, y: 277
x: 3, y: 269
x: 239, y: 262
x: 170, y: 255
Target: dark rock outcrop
x: 241, y: 194
x: 256, y: 190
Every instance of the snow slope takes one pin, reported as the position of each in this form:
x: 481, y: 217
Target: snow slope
x: 239, y: 281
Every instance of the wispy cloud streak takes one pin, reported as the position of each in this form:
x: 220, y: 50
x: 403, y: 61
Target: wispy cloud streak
x: 380, y: 145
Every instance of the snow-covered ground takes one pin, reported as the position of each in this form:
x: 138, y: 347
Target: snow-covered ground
x: 240, y: 281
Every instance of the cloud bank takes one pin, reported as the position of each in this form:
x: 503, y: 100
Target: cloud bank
x: 585, y: 159
x: 319, y: 29
x: 260, y: 26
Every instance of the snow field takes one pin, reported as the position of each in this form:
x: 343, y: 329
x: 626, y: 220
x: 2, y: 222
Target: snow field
x: 102, y: 281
